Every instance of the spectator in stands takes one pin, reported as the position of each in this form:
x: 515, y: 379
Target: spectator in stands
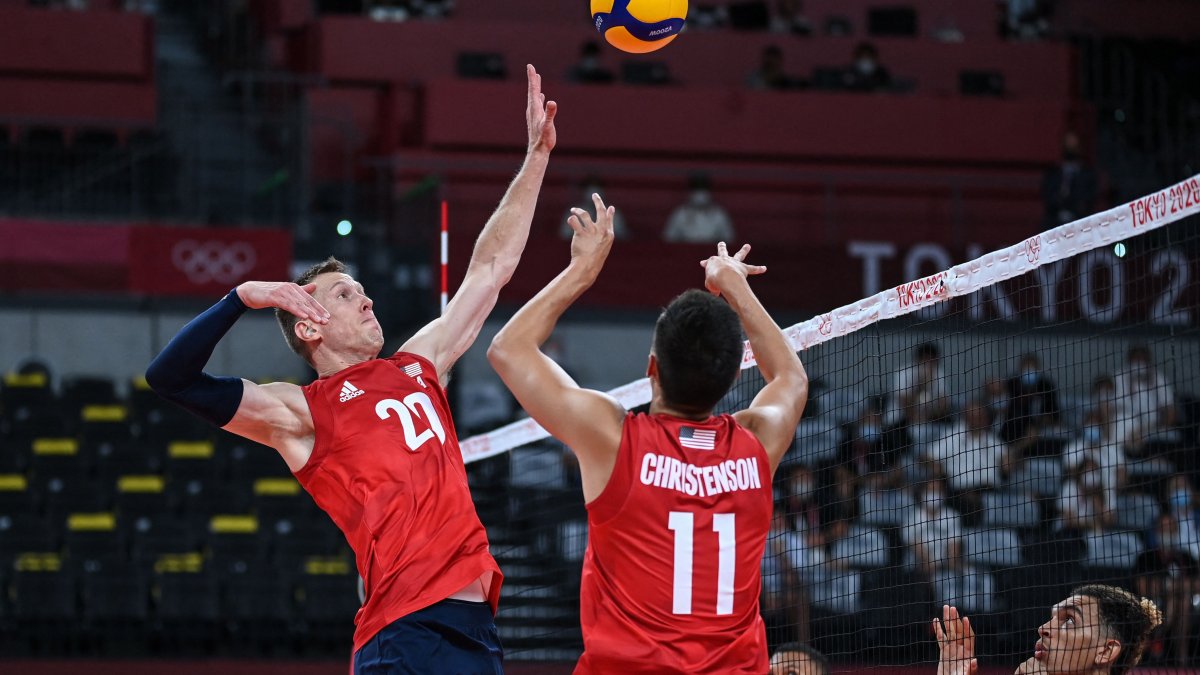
x: 797, y: 658
x: 707, y: 16
x: 803, y: 505
x: 1167, y: 574
x: 1117, y: 424
x: 699, y: 220
x: 1145, y: 395
x: 933, y: 532
x: 1027, y: 19
x: 973, y: 459
x: 790, y: 563
x: 867, y: 73
x: 843, y: 505
x: 389, y: 10
x: 1068, y: 189
x: 593, y: 185
x: 995, y: 395
x: 788, y: 18
x: 589, y: 70
x: 1093, y: 443
x: 964, y: 585
x: 870, y: 446
x: 1181, y: 504
x: 770, y: 73
x: 1081, y: 507
x: 919, y: 392
x: 1032, y: 398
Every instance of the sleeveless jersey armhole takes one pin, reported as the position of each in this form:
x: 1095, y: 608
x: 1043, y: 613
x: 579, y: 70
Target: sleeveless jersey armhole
x: 323, y: 427
x: 612, y: 499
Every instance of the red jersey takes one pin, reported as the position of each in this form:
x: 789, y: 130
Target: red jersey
x: 387, y: 468
x: 671, y: 577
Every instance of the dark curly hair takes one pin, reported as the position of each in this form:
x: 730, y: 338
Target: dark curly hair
x: 1131, y: 618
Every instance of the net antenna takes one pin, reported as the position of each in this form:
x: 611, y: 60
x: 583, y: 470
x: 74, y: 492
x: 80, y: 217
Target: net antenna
x: 1102, y: 229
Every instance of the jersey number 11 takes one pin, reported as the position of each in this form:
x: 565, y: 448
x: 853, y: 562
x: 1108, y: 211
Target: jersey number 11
x: 683, y: 525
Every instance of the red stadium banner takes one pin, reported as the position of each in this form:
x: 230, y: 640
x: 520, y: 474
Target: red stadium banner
x: 88, y: 258
x: 205, y: 261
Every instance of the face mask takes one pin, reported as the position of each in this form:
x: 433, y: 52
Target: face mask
x: 804, y: 487
x: 1180, y: 500
x: 1168, y: 540
x: 934, y: 498
x: 865, y: 66
x: 1029, y: 378
x: 1093, y: 435
x: 701, y: 197
x: 1090, y: 480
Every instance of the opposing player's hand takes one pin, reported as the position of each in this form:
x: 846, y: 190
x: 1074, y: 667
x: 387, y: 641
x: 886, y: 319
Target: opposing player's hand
x: 956, y: 643
x: 723, y: 269
x: 289, y: 297
x: 592, y: 240
x: 539, y: 114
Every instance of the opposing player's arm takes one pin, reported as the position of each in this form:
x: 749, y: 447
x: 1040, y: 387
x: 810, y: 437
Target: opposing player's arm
x: 956, y: 643
x: 498, y: 249
x: 776, y: 410
x: 274, y: 415
x: 587, y: 421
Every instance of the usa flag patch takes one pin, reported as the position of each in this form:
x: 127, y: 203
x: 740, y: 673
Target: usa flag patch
x: 412, y: 369
x: 697, y: 439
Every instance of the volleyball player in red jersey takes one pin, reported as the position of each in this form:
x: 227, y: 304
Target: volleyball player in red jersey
x: 372, y: 439
x: 679, y: 500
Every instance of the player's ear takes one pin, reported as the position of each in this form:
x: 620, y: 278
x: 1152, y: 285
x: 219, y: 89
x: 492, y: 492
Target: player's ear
x: 652, y: 367
x: 307, y: 331
x: 1108, y: 653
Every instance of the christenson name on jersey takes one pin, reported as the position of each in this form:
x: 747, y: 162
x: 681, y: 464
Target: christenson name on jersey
x: 704, y: 481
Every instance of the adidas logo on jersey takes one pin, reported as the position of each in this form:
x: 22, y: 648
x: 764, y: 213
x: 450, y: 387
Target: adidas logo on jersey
x: 349, y: 391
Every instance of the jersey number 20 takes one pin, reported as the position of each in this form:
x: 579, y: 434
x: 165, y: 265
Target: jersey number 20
x: 405, y: 411
x: 683, y: 525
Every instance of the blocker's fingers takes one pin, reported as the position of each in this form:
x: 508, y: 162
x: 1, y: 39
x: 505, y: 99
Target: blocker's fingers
x: 751, y: 270
x: 551, y: 110
x: 721, y: 249
x: 585, y: 218
x: 742, y: 253
x: 573, y: 221
x: 599, y: 202
x: 938, y: 632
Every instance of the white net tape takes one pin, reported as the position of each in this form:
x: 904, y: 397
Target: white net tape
x: 1102, y: 229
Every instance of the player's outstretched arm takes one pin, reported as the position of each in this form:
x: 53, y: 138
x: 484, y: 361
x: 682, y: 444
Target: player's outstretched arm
x: 776, y: 410
x: 956, y: 643
x: 274, y: 414
x: 499, y: 247
x: 588, y: 421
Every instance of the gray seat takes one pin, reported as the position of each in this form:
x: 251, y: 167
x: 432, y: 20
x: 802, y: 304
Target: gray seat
x: 817, y: 440
x: 1113, y: 549
x: 1006, y: 509
x: 1041, y: 475
x: 863, y: 548
x: 992, y: 548
x: 1136, y: 511
x: 885, y: 508
x: 838, y: 593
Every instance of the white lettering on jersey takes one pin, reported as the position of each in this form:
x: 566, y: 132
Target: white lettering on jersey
x: 728, y: 476
x: 405, y: 411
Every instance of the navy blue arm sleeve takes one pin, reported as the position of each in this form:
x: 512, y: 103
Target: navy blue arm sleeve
x: 177, y: 373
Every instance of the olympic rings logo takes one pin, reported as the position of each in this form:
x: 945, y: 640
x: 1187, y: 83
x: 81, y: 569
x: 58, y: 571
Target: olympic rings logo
x: 205, y: 262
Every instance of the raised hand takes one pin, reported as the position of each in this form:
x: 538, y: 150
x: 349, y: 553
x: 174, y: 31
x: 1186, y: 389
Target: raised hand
x: 539, y: 114
x: 956, y: 643
x: 289, y: 297
x: 722, y: 269
x: 592, y: 240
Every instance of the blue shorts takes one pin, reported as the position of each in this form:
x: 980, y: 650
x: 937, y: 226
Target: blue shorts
x: 452, y: 637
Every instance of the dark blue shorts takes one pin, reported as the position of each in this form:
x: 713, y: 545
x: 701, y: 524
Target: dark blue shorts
x: 452, y: 637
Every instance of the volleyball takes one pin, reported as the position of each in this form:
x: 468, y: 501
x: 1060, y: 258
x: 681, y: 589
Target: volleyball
x: 639, y: 26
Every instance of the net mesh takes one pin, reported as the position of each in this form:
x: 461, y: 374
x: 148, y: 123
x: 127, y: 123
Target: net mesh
x: 1022, y: 424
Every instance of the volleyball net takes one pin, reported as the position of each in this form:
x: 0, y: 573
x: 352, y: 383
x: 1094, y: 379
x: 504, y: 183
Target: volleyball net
x: 988, y: 436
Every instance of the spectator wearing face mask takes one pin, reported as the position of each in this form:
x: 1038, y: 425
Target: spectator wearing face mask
x: 592, y: 185
x: 995, y: 395
x: 1032, y: 397
x: 1094, y: 443
x: 699, y: 220
x: 933, y: 532
x: 589, y: 69
x: 1069, y: 188
x: 1081, y: 506
x: 1117, y: 423
x: 790, y: 562
x: 1181, y: 504
x: 1146, y: 396
x: 867, y: 73
x: 1167, y: 574
x: 972, y: 458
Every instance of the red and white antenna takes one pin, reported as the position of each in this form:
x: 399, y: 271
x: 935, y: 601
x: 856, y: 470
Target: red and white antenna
x: 445, y: 254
